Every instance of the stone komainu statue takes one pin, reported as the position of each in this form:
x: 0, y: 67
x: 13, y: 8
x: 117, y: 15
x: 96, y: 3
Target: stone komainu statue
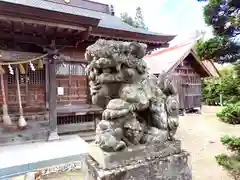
x: 137, y: 108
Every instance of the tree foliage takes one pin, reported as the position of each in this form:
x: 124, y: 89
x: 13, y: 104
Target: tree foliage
x: 224, y: 17
x: 228, y: 85
x: 137, y: 22
x: 127, y: 19
x: 139, y: 19
x: 211, y: 48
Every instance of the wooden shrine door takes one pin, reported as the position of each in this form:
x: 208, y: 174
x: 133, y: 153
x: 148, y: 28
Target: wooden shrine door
x: 189, y: 88
x: 71, y: 78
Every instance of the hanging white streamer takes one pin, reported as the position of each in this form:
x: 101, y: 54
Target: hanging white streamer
x: 32, y: 66
x: 10, y: 69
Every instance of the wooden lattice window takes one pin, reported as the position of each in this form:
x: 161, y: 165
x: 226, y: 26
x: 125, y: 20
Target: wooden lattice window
x: 71, y: 69
x: 11, y: 78
x: 37, y: 76
x: 30, y: 77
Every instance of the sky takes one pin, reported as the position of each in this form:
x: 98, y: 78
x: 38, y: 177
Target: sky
x: 174, y: 17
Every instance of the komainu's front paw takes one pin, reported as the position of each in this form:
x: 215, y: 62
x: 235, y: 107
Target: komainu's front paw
x: 120, y: 146
x: 112, y: 145
x: 173, y: 122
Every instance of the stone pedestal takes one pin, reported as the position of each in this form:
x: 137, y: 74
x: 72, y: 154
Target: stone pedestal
x: 154, y: 162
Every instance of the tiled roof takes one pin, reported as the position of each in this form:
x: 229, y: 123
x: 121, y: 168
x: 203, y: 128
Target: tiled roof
x: 163, y: 60
x: 51, y: 6
x: 106, y: 20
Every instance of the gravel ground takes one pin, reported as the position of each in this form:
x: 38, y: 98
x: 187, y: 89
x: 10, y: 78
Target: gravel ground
x: 200, y: 135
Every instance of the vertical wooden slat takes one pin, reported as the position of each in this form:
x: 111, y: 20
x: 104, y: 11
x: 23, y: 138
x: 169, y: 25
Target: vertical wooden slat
x: 5, y: 77
x: 189, y: 89
x: 26, y: 84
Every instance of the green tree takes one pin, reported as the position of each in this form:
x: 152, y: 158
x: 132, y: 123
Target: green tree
x: 137, y: 22
x: 139, y: 19
x: 127, y: 19
x: 224, y: 17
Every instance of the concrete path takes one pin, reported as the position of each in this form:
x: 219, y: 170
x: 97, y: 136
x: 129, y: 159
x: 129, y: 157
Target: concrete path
x: 200, y: 135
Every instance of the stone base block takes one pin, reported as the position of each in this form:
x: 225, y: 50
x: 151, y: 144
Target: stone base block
x: 173, y: 167
x: 138, y: 153
x: 153, y: 162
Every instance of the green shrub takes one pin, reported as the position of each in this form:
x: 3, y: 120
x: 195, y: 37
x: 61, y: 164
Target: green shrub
x: 232, y: 143
x: 232, y: 162
x: 230, y: 113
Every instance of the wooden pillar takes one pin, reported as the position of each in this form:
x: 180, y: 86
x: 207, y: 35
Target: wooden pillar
x: 52, y: 100
x: 89, y: 97
x: 47, y: 84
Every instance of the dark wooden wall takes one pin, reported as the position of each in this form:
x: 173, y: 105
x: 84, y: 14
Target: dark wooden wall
x: 189, y: 84
x: 32, y: 85
x: 72, y: 77
x: 78, y: 115
x: 33, y: 96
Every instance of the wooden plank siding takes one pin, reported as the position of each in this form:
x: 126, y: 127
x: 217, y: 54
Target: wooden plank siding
x: 189, y: 85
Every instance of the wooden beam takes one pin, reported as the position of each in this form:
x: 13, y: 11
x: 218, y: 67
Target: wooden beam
x: 59, y: 30
x: 69, y: 31
x: 22, y: 24
x: 30, y: 39
x: 85, y: 35
x: 7, y: 21
x: 35, y: 25
x: 46, y: 28
x: 76, y: 32
x: 7, y: 55
x: 17, y: 27
x: 23, y: 38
